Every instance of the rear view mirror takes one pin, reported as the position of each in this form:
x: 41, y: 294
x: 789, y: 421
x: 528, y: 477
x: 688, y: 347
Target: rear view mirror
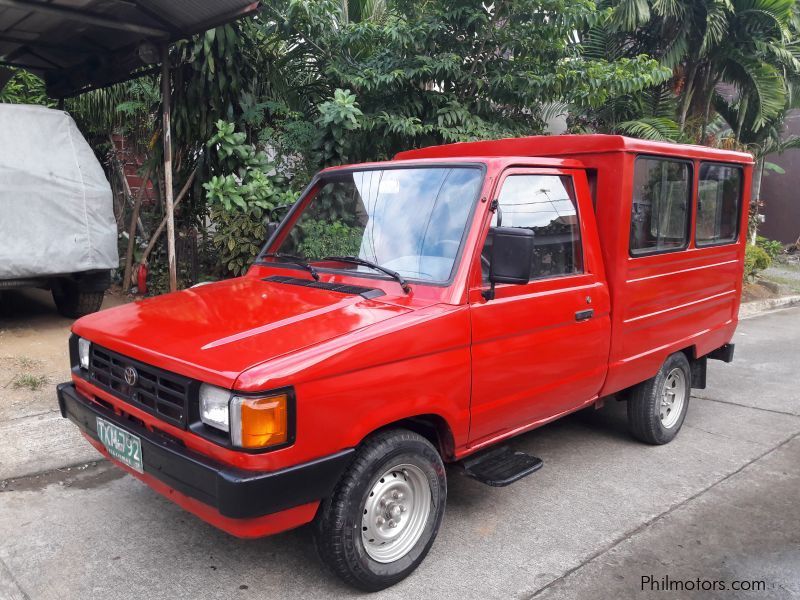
x: 273, y: 219
x: 272, y: 227
x: 512, y: 248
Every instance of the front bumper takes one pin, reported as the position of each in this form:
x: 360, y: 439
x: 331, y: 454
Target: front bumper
x: 233, y: 493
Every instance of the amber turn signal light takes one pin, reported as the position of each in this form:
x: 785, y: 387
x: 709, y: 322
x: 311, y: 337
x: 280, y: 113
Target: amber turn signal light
x: 260, y: 422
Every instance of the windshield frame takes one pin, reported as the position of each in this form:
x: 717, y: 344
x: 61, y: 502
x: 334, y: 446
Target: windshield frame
x: 323, y: 177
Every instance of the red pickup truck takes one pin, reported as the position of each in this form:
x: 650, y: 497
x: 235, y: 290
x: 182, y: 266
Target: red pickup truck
x: 417, y: 312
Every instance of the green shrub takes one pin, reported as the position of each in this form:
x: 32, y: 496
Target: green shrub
x: 238, y: 237
x: 771, y: 247
x: 756, y: 259
x: 321, y: 239
x: 242, y: 199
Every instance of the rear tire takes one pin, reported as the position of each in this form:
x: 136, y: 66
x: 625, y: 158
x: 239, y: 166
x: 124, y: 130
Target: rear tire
x: 72, y: 302
x: 657, y: 407
x: 385, y: 512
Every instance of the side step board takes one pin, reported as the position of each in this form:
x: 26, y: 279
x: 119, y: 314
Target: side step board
x: 500, y: 466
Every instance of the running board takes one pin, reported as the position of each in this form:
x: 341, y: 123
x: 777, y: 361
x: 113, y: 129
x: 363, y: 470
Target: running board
x: 500, y: 466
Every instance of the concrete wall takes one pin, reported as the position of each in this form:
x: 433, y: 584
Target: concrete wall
x: 781, y: 193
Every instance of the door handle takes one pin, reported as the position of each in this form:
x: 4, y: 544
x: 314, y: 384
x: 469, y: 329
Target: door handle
x: 584, y: 315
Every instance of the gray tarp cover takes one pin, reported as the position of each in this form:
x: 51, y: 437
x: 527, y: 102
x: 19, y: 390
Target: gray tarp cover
x: 56, y: 213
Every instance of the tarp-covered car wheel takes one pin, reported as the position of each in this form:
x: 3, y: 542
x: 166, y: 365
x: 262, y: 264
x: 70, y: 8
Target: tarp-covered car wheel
x: 73, y: 302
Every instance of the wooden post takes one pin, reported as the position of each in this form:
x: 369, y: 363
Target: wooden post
x: 166, y: 96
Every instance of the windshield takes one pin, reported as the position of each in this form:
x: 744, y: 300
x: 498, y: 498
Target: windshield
x: 409, y: 220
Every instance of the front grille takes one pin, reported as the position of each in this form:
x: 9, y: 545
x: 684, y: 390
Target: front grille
x: 161, y: 393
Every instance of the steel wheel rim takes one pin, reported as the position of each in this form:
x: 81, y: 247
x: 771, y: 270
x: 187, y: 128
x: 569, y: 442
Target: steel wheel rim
x: 395, y: 513
x: 673, y: 397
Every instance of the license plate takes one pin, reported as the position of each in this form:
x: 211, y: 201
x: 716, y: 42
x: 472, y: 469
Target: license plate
x: 121, y: 445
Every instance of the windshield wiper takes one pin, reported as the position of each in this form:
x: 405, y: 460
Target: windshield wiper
x: 294, y: 260
x: 368, y: 263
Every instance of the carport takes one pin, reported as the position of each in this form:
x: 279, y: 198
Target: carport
x: 79, y: 45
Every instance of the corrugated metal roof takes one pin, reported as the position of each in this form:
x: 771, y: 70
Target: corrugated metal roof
x: 81, y: 44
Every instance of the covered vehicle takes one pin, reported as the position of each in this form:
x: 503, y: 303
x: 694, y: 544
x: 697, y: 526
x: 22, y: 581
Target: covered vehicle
x: 57, y: 226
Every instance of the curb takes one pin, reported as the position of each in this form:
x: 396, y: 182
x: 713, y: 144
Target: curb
x: 752, y: 309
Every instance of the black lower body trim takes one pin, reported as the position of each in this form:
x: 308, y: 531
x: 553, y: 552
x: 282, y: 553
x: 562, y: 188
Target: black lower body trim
x: 233, y: 492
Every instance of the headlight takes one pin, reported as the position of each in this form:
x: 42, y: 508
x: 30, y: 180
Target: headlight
x: 214, y: 406
x: 84, y: 346
x: 258, y: 422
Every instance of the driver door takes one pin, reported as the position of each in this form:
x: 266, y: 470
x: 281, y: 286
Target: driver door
x: 540, y: 349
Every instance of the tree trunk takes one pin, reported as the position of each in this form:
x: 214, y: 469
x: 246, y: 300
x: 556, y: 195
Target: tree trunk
x: 758, y: 175
x: 686, y: 98
x: 711, y: 86
x: 743, y: 106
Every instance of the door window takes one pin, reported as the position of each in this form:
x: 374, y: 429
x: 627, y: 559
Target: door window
x: 546, y: 205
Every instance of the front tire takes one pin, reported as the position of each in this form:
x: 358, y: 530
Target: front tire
x: 657, y: 407
x: 385, y: 512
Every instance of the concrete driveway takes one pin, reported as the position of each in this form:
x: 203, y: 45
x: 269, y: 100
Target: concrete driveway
x: 719, y: 505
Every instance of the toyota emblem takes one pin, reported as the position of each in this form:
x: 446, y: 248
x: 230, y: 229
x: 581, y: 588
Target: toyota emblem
x: 131, y: 376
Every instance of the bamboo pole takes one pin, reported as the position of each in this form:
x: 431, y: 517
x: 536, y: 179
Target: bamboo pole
x: 126, y: 280
x: 160, y: 229
x: 166, y: 94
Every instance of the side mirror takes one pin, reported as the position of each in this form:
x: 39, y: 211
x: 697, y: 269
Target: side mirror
x: 512, y: 248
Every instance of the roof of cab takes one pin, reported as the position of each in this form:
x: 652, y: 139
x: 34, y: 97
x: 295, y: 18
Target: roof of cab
x: 460, y: 159
x: 563, y: 145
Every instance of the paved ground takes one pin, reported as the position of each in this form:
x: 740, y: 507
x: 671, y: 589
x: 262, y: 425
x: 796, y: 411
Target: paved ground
x: 718, y: 504
x: 33, y: 358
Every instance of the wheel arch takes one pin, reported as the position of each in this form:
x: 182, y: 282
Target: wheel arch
x: 432, y: 427
x: 697, y: 366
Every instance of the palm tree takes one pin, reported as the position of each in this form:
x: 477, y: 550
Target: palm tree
x: 649, y: 114
x: 354, y: 11
x: 750, y: 45
x: 759, y: 58
x: 761, y: 142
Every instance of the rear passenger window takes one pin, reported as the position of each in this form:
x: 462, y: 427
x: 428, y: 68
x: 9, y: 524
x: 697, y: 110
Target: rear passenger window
x: 660, y: 209
x: 546, y: 205
x: 719, y: 197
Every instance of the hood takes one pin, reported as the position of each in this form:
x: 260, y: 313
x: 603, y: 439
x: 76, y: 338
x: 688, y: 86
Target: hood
x: 216, y: 331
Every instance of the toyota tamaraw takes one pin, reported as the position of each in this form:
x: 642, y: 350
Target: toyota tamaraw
x: 416, y: 312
